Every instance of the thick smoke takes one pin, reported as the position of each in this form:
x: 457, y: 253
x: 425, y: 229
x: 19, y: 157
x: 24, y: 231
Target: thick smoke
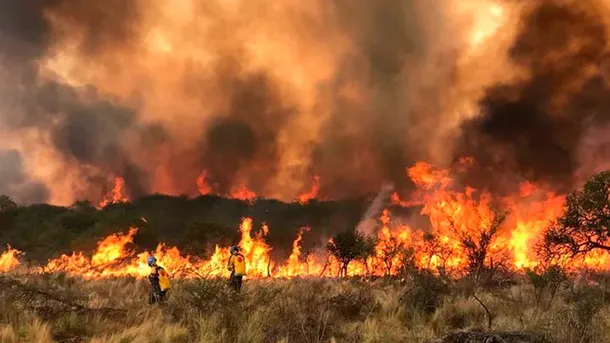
x: 327, y: 94
x: 84, y: 128
x: 366, y: 144
x: 267, y: 97
x: 532, y: 129
x: 14, y: 180
x: 242, y: 145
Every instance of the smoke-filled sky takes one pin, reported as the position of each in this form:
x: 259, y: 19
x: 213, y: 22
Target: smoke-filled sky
x: 267, y: 95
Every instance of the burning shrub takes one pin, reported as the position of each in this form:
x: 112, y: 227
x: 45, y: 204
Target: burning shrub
x: 348, y: 246
x: 477, y: 244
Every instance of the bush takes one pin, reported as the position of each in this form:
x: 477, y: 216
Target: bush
x: 546, y: 283
x: 426, y: 293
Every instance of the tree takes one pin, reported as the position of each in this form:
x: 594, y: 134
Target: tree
x: 438, y: 253
x: 348, y: 246
x: 585, y: 222
x: 389, y: 250
x: 477, y: 243
x: 7, y: 203
x: 546, y: 281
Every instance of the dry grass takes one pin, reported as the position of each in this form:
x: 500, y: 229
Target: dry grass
x: 297, y: 310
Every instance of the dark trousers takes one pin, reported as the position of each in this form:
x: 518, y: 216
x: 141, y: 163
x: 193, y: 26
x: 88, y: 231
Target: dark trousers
x: 157, y: 295
x: 236, y: 281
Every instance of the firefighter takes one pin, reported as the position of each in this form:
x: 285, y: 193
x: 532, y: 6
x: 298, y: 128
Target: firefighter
x: 159, y: 279
x: 237, y: 267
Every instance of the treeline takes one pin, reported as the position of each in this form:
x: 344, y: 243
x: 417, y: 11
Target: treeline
x: 44, y: 231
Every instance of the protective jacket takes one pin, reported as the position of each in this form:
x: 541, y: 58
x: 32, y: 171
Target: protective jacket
x: 237, y: 264
x: 159, y: 278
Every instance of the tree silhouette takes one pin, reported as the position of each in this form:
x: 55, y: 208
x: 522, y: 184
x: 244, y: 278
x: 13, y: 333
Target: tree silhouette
x: 477, y: 243
x: 7, y: 203
x: 585, y: 222
x: 348, y: 246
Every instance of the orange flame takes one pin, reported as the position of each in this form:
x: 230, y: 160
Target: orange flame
x: 8, y: 259
x: 296, y: 265
x: 202, y: 184
x: 244, y: 194
x: 116, y: 195
x: 459, y: 220
x: 255, y: 250
x: 106, y: 261
x: 311, y: 194
x: 397, y: 201
x: 239, y: 192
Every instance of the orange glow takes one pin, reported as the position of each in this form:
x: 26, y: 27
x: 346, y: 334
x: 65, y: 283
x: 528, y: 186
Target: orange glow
x: 311, y: 194
x: 8, y: 259
x: 244, y: 194
x: 116, y: 195
x: 239, y: 192
x: 397, y: 201
x: 455, y: 214
x: 202, y: 183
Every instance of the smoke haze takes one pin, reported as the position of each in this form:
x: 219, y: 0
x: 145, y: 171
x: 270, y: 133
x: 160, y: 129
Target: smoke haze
x: 268, y: 95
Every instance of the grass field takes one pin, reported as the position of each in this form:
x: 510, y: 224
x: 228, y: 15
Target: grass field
x: 56, y: 308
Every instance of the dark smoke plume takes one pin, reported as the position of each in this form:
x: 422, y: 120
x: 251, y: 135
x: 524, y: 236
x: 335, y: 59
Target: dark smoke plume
x: 86, y: 129
x: 236, y: 117
x: 532, y: 129
x: 361, y: 148
x: 364, y: 148
x: 243, y: 143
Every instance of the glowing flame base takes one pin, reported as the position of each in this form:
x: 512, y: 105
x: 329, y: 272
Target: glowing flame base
x: 454, y: 216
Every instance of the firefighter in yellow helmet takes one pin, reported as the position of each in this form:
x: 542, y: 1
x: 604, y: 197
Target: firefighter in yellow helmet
x: 237, y: 266
x: 159, y: 279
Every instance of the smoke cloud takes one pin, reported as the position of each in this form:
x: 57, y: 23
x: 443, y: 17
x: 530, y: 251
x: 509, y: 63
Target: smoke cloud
x: 267, y: 96
x: 533, y: 128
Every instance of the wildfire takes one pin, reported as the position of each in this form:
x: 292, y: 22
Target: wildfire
x: 106, y: 261
x: 255, y: 249
x: 296, y: 265
x: 202, y: 184
x: 239, y: 192
x: 311, y: 194
x: 243, y: 193
x: 8, y: 259
x: 397, y: 201
x: 461, y: 220
x: 116, y: 195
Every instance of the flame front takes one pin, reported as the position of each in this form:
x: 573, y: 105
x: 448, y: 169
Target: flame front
x: 116, y: 195
x: 238, y: 192
x: 311, y: 194
x: 243, y: 193
x: 456, y: 216
x: 9, y: 259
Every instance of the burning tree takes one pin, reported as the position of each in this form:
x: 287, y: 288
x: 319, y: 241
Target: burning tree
x: 438, y: 253
x: 477, y: 243
x: 348, y: 246
x: 388, y: 251
x: 584, y: 225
